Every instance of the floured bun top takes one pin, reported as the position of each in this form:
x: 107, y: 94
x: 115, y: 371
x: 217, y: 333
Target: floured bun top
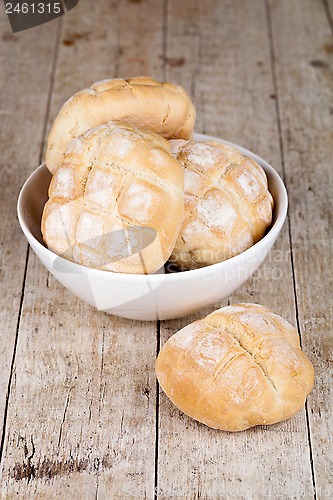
x: 164, y: 108
x: 238, y: 367
x: 227, y: 203
x: 116, y: 200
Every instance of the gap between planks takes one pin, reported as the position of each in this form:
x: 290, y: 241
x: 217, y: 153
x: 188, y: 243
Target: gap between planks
x: 157, y: 409
x: 281, y: 150
x: 328, y: 14
x: 52, y: 80
x: 13, y: 356
x: 165, y: 14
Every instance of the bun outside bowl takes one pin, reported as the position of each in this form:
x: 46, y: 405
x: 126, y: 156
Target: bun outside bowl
x: 157, y: 296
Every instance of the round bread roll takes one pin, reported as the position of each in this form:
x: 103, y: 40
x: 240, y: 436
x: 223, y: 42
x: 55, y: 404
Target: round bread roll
x: 227, y: 203
x: 239, y: 367
x: 116, y: 201
x: 164, y: 108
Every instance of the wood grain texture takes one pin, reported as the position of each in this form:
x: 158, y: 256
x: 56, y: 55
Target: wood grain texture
x: 83, y: 412
x: 305, y: 89
x: 24, y: 94
x: 81, y: 421
x: 241, y: 109
x: 328, y: 6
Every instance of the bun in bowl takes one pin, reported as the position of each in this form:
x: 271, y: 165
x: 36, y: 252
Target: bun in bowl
x: 116, y: 201
x: 228, y: 206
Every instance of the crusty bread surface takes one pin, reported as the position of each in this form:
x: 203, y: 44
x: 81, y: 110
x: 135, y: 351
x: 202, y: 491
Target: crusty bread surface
x: 228, y: 206
x: 116, y: 201
x: 164, y: 108
x: 239, y: 367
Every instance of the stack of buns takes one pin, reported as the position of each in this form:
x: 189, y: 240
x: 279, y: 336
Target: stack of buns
x: 120, y: 152
x: 131, y: 190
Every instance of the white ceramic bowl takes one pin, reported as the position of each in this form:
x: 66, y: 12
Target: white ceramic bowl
x: 157, y: 296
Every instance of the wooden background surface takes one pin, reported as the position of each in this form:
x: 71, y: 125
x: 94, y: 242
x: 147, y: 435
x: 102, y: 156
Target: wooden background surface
x: 81, y: 415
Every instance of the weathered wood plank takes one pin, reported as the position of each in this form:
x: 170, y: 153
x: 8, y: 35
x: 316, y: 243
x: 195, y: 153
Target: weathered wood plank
x: 328, y: 5
x: 23, y: 99
x: 234, y: 94
x: 80, y: 424
x: 82, y: 415
x: 305, y: 89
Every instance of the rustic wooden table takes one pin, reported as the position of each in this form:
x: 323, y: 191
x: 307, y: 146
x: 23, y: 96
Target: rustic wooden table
x: 81, y: 413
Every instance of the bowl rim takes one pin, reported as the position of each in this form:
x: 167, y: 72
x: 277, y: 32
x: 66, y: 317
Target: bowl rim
x: 192, y: 273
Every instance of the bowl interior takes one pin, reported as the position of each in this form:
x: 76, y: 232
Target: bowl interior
x: 33, y: 198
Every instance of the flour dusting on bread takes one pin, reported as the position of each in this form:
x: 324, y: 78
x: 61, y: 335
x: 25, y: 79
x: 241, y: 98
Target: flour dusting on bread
x: 164, y: 108
x: 225, y: 192
x: 236, y: 369
x: 115, y: 195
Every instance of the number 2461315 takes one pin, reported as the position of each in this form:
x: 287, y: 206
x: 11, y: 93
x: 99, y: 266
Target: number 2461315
x: 33, y: 8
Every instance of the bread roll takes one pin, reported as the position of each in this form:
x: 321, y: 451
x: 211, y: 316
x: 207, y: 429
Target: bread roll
x: 164, y: 108
x: 239, y: 367
x: 116, y: 200
x: 227, y: 203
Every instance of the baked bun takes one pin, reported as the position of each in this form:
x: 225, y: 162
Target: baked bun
x: 164, y: 108
x: 227, y: 203
x: 116, y: 200
x: 239, y: 367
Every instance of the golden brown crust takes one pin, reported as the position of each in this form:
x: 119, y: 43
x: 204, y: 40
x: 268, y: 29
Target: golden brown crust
x: 114, y: 180
x: 239, y: 367
x: 227, y: 203
x: 164, y: 108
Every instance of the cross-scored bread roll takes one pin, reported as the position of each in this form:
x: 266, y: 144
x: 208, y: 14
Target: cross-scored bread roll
x: 116, y: 201
x: 164, y: 108
x: 239, y: 367
x: 227, y: 203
